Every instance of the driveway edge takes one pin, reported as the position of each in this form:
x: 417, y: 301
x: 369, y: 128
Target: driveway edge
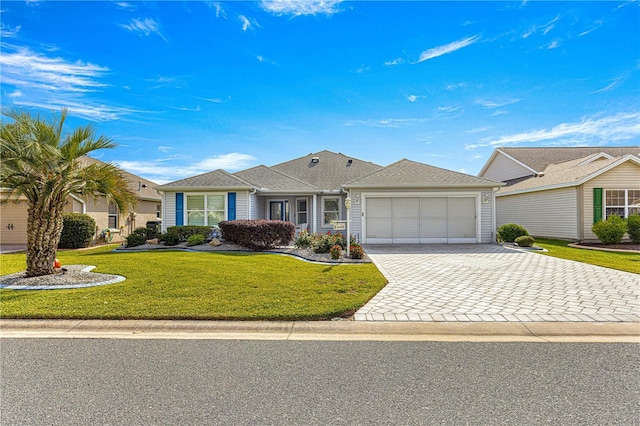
x: 623, y: 332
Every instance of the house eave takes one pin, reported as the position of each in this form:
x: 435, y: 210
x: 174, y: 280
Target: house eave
x: 418, y: 187
x: 203, y: 188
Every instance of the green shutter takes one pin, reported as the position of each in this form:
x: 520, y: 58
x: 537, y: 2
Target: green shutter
x: 597, y: 205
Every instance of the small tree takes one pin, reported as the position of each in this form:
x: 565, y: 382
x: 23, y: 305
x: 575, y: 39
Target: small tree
x: 45, y: 166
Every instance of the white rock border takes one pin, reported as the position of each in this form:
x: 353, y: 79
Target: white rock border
x: 115, y: 279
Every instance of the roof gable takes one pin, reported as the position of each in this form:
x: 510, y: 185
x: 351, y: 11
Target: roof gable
x: 539, y: 158
x: 411, y: 174
x: 326, y: 170
x: 266, y: 179
x: 566, y: 174
x: 143, y: 188
x: 211, y: 180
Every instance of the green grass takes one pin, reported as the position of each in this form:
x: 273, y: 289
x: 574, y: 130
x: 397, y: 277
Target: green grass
x: 629, y: 262
x: 191, y: 285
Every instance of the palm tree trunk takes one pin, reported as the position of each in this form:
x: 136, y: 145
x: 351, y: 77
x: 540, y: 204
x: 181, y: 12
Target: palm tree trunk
x: 44, y: 227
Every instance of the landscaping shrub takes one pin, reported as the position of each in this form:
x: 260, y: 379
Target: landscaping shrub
x: 356, y: 251
x: 335, y: 252
x: 610, y: 231
x: 510, y: 231
x: 322, y: 243
x: 186, y: 231
x: 258, y: 234
x: 78, y: 230
x: 303, y: 240
x: 525, y: 241
x: 633, y: 227
x: 195, y: 240
x: 138, y: 237
x: 171, y: 238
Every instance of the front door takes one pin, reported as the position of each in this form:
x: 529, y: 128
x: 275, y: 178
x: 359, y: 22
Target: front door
x: 278, y: 210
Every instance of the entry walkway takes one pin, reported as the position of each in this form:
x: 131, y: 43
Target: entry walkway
x: 490, y: 283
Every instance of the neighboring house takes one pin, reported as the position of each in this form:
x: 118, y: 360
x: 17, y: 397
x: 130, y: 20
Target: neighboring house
x: 405, y: 202
x: 13, y: 212
x: 562, y: 192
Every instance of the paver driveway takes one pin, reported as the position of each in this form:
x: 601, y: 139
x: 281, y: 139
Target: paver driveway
x: 488, y: 282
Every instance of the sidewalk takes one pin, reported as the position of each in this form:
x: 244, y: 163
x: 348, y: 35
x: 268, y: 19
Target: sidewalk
x: 325, y: 330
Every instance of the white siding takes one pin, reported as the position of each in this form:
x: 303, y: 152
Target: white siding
x: 550, y: 213
x: 625, y: 176
x: 356, y: 215
x: 242, y: 211
x: 257, y: 206
x: 503, y: 168
x: 168, y: 210
x: 487, y: 234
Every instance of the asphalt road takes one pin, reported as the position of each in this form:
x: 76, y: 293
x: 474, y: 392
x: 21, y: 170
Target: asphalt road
x: 223, y: 382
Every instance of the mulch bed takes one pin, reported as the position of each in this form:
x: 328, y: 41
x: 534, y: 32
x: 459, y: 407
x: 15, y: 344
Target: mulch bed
x: 625, y: 245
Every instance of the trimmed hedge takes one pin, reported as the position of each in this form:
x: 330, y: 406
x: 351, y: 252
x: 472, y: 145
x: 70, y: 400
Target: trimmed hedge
x: 184, y: 232
x: 633, y: 227
x: 510, y: 231
x: 78, y: 230
x: 258, y: 234
x: 525, y: 241
x: 610, y: 231
x: 138, y: 237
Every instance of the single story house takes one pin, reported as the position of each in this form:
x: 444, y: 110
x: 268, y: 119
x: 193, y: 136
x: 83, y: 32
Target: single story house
x: 13, y: 211
x: 562, y: 192
x: 405, y: 202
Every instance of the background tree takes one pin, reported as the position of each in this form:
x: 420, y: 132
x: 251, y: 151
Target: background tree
x: 46, y: 167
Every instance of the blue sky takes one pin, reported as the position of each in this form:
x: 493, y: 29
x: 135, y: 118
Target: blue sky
x: 189, y: 87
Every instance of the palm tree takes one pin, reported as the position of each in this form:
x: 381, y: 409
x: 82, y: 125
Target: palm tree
x: 46, y: 167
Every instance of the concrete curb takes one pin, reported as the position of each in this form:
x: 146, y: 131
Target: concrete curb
x: 324, y: 330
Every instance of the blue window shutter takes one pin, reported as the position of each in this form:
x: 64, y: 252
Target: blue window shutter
x: 179, y: 209
x: 231, y: 205
x: 597, y: 204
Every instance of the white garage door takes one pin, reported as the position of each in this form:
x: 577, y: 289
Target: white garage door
x: 421, y: 220
x: 13, y: 222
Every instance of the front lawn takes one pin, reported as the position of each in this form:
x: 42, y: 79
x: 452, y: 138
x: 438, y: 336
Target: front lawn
x: 190, y: 285
x: 629, y: 262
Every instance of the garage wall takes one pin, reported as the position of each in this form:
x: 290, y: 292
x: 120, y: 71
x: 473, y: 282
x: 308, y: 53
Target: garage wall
x: 13, y: 222
x: 550, y: 213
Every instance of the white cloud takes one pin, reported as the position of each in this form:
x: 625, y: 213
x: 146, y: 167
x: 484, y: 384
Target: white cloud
x: 384, y: 123
x: 597, y: 24
x: 412, y: 98
x: 614, y: 83
x: 247, y: 24
x: 15, y: 94
x: 165, y: 149
x: 396, y: 61
x: 589, y: 131
x: 146, y: 26
x: 496, y: 104
x: 301, y: 7
x: 553, y: 45
x: 261, y: 58
x: 220, y: 12
x: 162, y: 170
x: 217, y: 100
x: 8, y: 32
x: 435, y: 52
x: 24, y: 68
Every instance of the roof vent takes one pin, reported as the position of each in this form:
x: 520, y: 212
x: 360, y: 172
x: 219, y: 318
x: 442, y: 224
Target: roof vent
x: 350, y: 161
x: 315, y: 160
x: 541, y: 174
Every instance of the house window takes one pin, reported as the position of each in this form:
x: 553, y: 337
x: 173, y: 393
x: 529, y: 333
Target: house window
x: 113, y: 215
x: 205, y: 210
x: 158, y: 211
x: 330, y: 210
x: 622, y: 202
x: 302, y: 215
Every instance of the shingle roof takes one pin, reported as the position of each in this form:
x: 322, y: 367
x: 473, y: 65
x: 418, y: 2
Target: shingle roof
x: 567, y: 173
x: 266, y: 179
x: 407, y: 173
x: 329, y: 172
x: 211, y: 180
x: 539, y: 158
x: 147, y: 192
